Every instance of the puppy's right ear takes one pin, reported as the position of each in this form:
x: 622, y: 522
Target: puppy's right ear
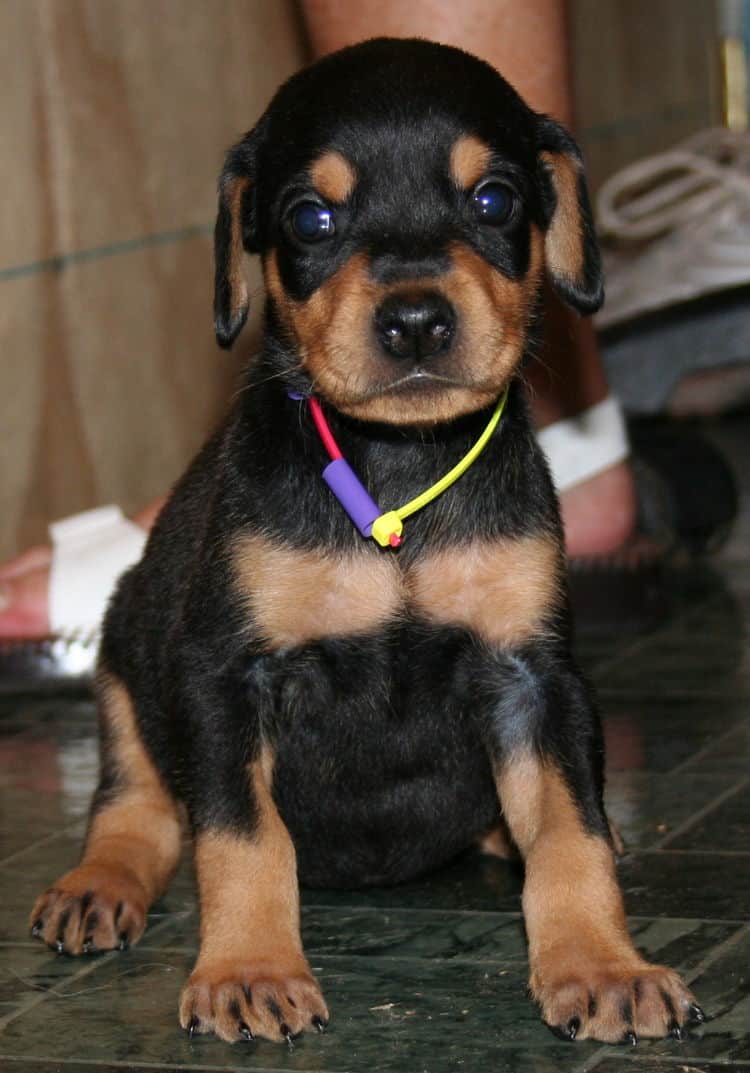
x: 234, y: 233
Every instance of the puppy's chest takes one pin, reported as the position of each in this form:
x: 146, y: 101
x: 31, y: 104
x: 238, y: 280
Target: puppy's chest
x: 503, y: 590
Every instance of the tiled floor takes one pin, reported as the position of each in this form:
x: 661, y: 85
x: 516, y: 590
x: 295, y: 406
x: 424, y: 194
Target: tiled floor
x: 430, y: 976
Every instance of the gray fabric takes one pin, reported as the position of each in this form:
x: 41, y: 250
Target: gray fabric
x: 646, y: 362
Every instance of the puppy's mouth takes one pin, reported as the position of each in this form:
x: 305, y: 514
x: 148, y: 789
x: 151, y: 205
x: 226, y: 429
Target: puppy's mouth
x: 419, y: 382
x: 419, y: 397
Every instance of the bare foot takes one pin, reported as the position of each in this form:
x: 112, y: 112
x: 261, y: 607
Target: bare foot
x: 599, y: 514
x: 24, y: 595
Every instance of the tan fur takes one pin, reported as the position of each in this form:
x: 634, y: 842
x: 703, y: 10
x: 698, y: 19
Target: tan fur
x: 564, y: 241
x: 251, y: 954
x: 132, y: 846
x: 503, y: 590
x: 234, y: 192
x: 298, y: 596
x: 333, y: 176
x: 248, y: 886
x: 497, y: 843
x: 470, y: 158
x: 334, y: 335
x: 141, y: 829
x: 582, y: 959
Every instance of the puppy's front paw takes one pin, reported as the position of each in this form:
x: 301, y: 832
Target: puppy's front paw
x: 244, y: 999
x: 616, y: 1002
x: 91, y: 909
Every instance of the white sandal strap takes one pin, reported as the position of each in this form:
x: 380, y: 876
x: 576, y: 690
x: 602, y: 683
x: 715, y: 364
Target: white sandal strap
x: 89, y: 553
x: 580, y: 447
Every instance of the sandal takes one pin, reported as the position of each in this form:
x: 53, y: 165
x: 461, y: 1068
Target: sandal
x: 89, y: 553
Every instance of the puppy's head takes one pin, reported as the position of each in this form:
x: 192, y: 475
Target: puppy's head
x: 407, y: 206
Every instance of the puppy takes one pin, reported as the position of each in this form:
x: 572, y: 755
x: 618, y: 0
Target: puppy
x: 325, y: 707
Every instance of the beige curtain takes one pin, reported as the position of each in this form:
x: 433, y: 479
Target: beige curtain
x: 115, y: 116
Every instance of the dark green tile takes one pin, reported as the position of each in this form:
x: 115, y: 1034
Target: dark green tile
x: 479, y: 937
x: 724, y: 828
x: 392, y: 1015
x: 677, y: 1064
x: 665, y: 883
x: 402, y: 989
x: 26, y: 816
x: 646, y: 806
x: 728, y: 753
x: 47, y: 1065
x: 723, y: 990
x: 28, y: 971
x: 711, y: 667
x: 681, y: 944
x: 644, y: 733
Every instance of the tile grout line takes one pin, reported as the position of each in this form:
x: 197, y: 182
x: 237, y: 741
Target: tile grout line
x: 606, y: 665
x: 717, y: 952
x: 593, y: 1060
x: 115, y: 1063
x: 731, y: 853
x: 40, y: 996
x: 65, y: 830
x: 707, y: 748
x: 642, y: 1061
x: 701, y: 813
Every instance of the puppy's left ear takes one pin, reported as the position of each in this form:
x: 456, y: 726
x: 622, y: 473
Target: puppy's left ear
x: 570, y: 245
x: 235, y: 232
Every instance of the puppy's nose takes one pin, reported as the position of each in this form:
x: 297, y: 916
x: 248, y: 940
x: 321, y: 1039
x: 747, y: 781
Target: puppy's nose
x: 415, y: 327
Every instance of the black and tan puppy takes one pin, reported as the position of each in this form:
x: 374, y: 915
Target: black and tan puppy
x: 326, y: 708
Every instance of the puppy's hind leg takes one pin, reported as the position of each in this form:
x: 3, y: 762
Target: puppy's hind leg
x: 132, y: 844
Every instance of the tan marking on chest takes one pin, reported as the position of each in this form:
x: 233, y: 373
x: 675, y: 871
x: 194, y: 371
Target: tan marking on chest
x: 502, y: 590
x: 296, y: 596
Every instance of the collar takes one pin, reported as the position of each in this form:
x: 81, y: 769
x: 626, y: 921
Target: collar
x: 386, y: 528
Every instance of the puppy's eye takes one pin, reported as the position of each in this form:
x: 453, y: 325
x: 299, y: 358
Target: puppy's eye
x: 311, y: 222
x: 493, y: 203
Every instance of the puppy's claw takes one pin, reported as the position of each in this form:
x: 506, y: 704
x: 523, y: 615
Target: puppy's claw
x: 566, y: 1032
x: 676, y: 1032
x: 319, y: 1023
x: 286, y: 1033
x: 245, y: 1031
x: 124, y: 941
x: 193, y: 1026
x: 59, y: 946
x: 696, y: 1014
x: 36, y: 928
x: 630, y: 1037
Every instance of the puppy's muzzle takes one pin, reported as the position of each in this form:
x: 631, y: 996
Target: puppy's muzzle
x: 415, y: 328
